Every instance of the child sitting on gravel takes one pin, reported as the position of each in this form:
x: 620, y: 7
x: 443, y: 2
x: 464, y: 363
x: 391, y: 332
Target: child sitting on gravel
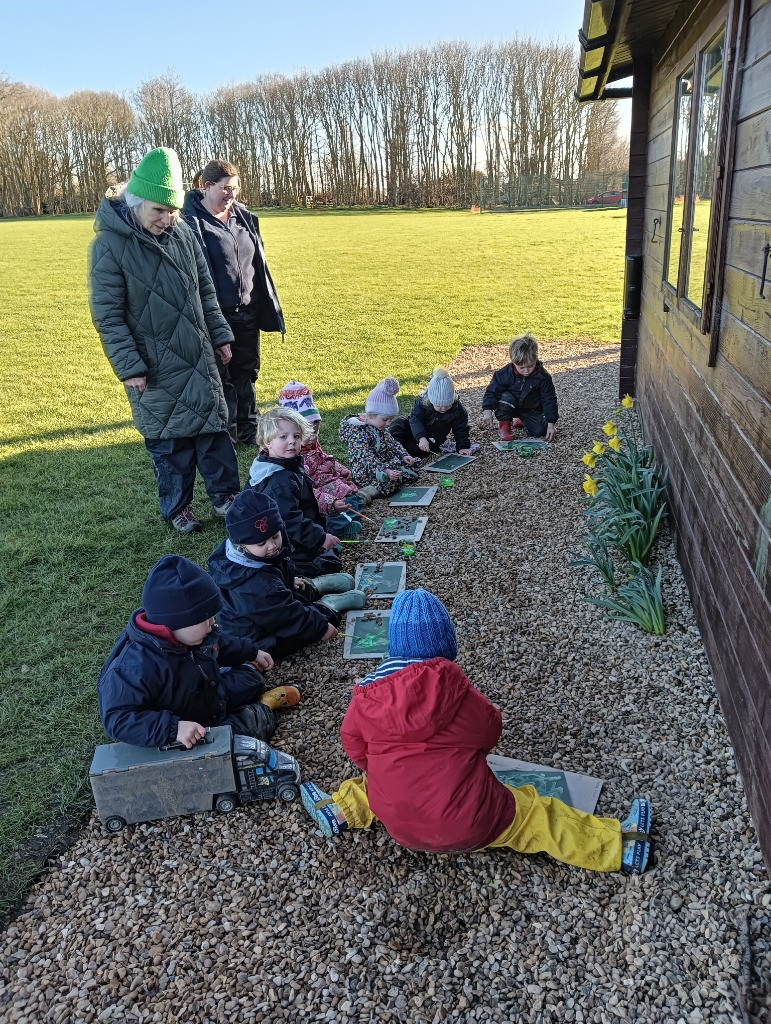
x: 337, y: 495
x: 522, y: 394
x: 436, y: 414
x: 263, y: 598
x: 380, y: 465
x: 278, y: 471
x: 172, y: 673
x: 421, y: 732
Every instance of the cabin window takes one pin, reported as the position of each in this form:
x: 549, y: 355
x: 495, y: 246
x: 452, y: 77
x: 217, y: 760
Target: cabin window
x: 696, y: 179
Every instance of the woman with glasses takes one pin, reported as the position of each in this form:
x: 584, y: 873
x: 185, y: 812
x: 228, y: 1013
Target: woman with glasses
x: 230, y: 239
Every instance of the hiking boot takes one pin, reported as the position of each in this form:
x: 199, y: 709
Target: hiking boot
x: 333, y: 583
x: 352, y: 600
x: 281, y: 697
x: 185, y: 521
x: 504, y: 429
x: 327, y: 814
x: 220, y: 511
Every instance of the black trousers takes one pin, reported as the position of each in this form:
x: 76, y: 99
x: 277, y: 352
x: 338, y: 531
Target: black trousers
x: 533, y: 420
x: 401, y: 430
x: 175, y: 461
x: 240, y: 374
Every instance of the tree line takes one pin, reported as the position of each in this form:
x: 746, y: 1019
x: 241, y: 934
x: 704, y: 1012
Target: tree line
x: 438, y: 126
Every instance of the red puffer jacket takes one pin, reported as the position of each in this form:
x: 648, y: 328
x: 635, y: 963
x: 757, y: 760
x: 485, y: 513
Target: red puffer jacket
x: 421, y: 735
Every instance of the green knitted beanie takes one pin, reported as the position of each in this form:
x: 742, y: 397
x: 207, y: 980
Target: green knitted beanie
x: 158, y: 178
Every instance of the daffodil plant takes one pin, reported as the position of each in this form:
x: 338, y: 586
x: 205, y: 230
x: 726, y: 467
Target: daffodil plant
x: 638, y: 600
x: 596, y: 556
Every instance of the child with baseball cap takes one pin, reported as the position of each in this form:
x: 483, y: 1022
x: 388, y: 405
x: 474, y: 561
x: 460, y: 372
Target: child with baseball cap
x: 172, y: 673
x: 337, y: 495
x: 263, y: 597
x: 421, y: 732
x: 379, y: 464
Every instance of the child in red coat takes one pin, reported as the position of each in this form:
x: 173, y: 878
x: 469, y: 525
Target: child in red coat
x: 338, y: 497
x: 421, y: 732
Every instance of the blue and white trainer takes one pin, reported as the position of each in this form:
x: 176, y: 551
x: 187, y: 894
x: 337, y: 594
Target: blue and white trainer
x: 327, y: 814
x: 635, y: 836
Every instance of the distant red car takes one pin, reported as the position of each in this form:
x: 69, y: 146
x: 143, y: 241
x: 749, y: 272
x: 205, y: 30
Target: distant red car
x: 605, y: 199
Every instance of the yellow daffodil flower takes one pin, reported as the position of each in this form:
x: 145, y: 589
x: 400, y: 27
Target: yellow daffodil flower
x: 598, y: 448
x: 628, y: 402
x: 589, y: 460
x: 610, y: 429
x: 615, y: 444
x: 589, y: 485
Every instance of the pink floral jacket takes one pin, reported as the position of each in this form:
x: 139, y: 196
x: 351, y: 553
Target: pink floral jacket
x: 331, y: 479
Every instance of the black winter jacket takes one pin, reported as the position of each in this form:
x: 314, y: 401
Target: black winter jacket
x: 286, y: 481
x: 425, y: 421
x: 259, y: 601
x: 531, y: 394
x: 148, y: 684
x: 236, y: 259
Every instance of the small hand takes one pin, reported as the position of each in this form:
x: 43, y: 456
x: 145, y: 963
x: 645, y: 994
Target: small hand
x: 551, y: 431
x: 464, y: 451
x: 411, y: 460
x: 188, y: 733
x: 339, y: 505
x: 140, y: 383
x: 424, y: 445
x: 488, y: 419
x: 299, y: 583
x: 393, y: 474
x: 330, y: 541
x: 225, y: 352
x: 330, y: 633
x: 263, y: 661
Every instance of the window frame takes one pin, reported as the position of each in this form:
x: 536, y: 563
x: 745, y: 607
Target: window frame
x: 704, y: 316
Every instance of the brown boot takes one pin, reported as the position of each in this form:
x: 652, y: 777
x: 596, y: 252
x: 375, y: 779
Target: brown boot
x: 369, y: 493
x: 281, y: 697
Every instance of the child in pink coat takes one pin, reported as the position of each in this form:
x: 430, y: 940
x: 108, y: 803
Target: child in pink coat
x: 337, y: 495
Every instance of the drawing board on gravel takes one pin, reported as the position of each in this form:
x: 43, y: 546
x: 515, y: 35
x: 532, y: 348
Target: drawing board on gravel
x: 449, y: 463
x: 397, y: 528
x: 414, y: 496
x: 384, y: 579
x: 366, y: 634
x: 580, y: 791
x: 516, y: 446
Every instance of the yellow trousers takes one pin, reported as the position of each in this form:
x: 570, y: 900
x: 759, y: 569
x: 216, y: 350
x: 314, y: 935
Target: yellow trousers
x: 540, y: 825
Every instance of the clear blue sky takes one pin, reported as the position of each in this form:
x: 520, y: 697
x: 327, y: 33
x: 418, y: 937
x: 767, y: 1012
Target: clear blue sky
x: 62, y: 47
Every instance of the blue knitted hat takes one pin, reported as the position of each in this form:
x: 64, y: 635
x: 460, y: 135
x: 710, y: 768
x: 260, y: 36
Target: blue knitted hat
x: 420, y: 627
x: 178, y: 593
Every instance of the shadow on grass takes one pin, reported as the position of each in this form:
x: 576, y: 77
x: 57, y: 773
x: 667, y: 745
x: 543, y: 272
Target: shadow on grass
x: 59, y: 435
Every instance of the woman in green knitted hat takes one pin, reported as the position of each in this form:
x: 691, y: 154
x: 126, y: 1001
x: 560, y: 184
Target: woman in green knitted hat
x: 154, y: 305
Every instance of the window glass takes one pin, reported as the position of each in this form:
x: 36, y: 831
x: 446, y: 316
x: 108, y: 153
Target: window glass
x: 679, y: 174
x: 711, y: 82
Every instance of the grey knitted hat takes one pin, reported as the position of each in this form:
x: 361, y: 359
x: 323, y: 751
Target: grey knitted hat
x: 441, y: 390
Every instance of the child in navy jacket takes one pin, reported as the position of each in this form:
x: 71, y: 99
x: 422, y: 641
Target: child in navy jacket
x: 278, y: 472
x: 522, y: 394
x: 263, y: 597
x: 435, y: 414
x: 172, y: 673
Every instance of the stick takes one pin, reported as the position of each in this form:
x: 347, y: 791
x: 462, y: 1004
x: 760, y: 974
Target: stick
x: 360, y: 514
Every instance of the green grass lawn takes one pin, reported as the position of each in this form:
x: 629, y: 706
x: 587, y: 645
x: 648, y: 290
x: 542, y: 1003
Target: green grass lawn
x: 365, y: 295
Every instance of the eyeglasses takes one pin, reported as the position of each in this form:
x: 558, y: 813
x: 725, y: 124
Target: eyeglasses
x: 230, y: 190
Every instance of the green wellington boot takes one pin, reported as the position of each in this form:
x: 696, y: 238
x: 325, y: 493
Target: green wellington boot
x: 351, y: 601
x: 333, y: 583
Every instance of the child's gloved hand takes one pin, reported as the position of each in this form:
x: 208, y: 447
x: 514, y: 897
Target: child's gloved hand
x: 330, y: 541
x: 263, y: 661
x: 424, y: 445
x: 189, y: 733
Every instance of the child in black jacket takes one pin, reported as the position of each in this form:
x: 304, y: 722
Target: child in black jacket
x: 435, y: 414
x: 279, y: 472
x: 522, y: 394
x: 263, y: 597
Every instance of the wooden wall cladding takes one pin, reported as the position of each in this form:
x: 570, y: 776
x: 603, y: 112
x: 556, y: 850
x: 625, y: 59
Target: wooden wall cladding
x: 711, y: 425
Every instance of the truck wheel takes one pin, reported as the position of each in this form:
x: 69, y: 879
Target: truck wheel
x: 226, y: 803
x: 288, y: 793
x: 115, y: 823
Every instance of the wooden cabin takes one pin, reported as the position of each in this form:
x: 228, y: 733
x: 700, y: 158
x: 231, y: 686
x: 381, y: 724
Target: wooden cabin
x: 696, y: 328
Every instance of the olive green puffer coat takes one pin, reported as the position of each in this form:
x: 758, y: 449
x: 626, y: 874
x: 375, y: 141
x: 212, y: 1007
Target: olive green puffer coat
x: 156, y: 311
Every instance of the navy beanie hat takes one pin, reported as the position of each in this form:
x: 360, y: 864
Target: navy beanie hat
x: 178, y: 593
x: 253, y: 518
x: 420, y: 627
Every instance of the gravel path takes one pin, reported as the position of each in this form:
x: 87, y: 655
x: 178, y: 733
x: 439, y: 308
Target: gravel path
x: 255, y: 917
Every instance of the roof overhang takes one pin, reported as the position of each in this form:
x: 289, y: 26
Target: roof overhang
x: 613, y: 34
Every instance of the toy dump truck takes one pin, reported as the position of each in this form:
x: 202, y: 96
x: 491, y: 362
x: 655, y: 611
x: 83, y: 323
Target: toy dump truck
x: 133, y: 784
